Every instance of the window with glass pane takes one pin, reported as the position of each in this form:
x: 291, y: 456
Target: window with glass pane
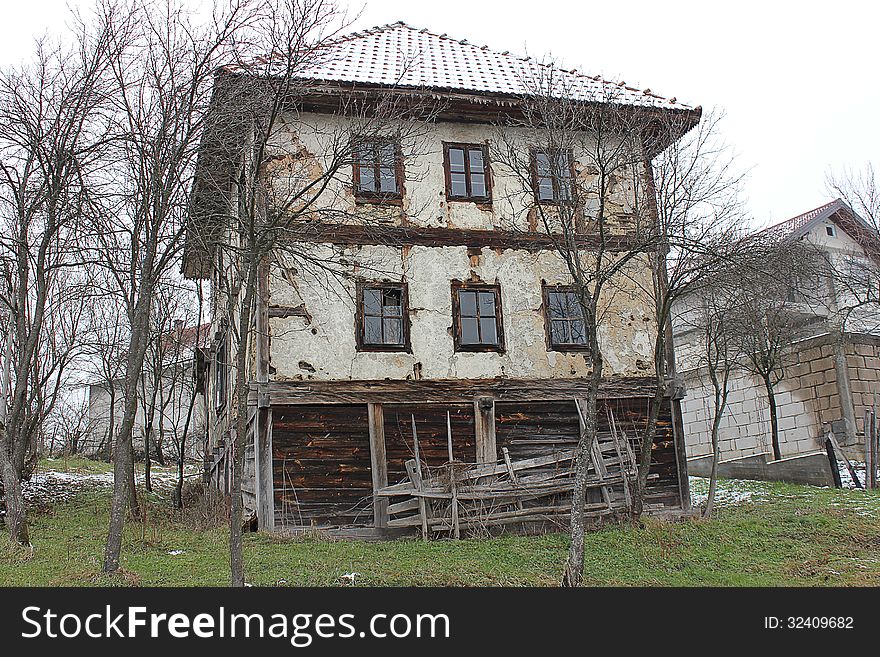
x: 466, y: 172
x: 478, y: 321
x: 382, y: 314
x: 566, y: 319
x: 376, y: 169
x: 552, y: 175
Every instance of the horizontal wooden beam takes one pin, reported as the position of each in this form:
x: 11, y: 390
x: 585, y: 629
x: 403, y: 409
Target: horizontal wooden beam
x: 426, y: 391
x: 365, y: 234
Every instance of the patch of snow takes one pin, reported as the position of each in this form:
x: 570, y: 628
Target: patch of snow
x: 349, y: 578
x: 728, y: 492
x: 846, y: 479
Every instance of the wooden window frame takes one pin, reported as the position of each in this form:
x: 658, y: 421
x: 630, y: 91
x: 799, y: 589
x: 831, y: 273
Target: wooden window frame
x: 390, y: 198
x: 361, y: 345
x: 551, y: 346
x: 556, y: 200
x: 457, y: 287
x: 487, y: 173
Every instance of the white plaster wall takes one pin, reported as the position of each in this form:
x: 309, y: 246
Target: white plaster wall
x: 313, y: 138
x: 326, y: 342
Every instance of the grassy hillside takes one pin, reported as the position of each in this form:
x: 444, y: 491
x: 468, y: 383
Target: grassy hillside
x: 764, y: 535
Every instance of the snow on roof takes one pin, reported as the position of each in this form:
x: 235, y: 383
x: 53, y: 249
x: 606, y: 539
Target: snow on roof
x: 403, y: 56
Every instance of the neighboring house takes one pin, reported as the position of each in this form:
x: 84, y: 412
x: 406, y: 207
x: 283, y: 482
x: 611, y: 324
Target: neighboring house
x: 831, y: 371
x: 460, y: 322
x: 168, y: 411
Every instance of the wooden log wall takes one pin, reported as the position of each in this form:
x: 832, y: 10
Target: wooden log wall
x: 530, y: 429
x: 321, y: 465
x: 431, y: 427
x: 322, y: 461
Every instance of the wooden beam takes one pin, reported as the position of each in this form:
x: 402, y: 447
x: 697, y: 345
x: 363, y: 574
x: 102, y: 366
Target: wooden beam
x: 264, y: 484
x: 426, y: 391
x: 378, y: 463
x: 484, y: 427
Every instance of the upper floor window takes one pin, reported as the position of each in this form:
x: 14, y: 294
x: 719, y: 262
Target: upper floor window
x: 477, y: 317
x: 378, y: 170
x: 566, y: 329
x: 467, y: 177
x: 553, y: 173
x: 382, y: 317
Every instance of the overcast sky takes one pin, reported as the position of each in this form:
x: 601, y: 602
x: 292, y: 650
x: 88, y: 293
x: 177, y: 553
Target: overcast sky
x: 798, y: 81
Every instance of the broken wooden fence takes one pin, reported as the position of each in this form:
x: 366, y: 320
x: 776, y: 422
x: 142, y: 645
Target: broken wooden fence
x: 477, y: 497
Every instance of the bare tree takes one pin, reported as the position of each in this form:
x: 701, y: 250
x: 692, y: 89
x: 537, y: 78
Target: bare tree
x: 582, y: 169
x: 163, y: 66
x: 696, y: 190
x: 52, y: 135
x: 711, y: 314
x: 778, y: 281
x: 283, y: 197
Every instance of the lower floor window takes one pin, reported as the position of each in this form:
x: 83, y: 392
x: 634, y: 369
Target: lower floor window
x: 382, y: 318
x: 477, y: 315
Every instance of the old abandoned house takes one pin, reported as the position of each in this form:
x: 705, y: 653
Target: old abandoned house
x: 467, y: 328
x: 830, y: 373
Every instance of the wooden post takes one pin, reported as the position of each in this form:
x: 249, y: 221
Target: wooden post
x: 423, y: 510
x: 378, y: 463
x: 453, y: 486
x: 484, y: 427
x: 264, y: 484
x: 852, y: 473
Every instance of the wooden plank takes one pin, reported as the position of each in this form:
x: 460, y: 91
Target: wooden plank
x: 453, y: 485
x: 423, y: 511
x: 840, y: 455
x: 448, y: 391
x: 511, y: 473
x: 264, y: 471
x: 378, y: 463
x: 484, y: 426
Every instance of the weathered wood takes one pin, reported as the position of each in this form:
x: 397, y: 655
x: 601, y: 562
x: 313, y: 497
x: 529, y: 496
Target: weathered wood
x: 264, y: 483
x: 829, y: 436
x: 511, y: 473
x: 448, y: 391
x: 484, y: 426
x: 378, y: 463
x: 359, y: 234
x: 624, y: 467
x: 453, y: 485
x: 423, y: 511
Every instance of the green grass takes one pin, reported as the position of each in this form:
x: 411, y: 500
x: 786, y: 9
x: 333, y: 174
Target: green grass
x: 786, y: 535
x: 77, y: 464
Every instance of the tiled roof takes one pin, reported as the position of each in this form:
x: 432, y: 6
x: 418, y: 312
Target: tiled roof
x: 404, y: 56
x: 790, y: 227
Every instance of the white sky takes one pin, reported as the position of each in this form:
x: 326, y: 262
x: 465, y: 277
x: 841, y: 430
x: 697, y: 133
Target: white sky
x: 798, y: 81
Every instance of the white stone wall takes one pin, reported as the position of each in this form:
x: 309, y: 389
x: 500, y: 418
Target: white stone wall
x: 323, y: 345
x: 325, y: 342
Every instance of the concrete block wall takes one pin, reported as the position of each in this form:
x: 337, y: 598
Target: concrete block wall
x: 807, y: 400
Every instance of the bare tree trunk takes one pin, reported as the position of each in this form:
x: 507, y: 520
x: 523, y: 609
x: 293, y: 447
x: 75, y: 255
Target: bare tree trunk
x: 181, y: 452
x: 716, y: 455
x: 774, y: 420
x: 16, y: 514
x: 236, y: 560
x: 574, y: 566
x: 124, y: 491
